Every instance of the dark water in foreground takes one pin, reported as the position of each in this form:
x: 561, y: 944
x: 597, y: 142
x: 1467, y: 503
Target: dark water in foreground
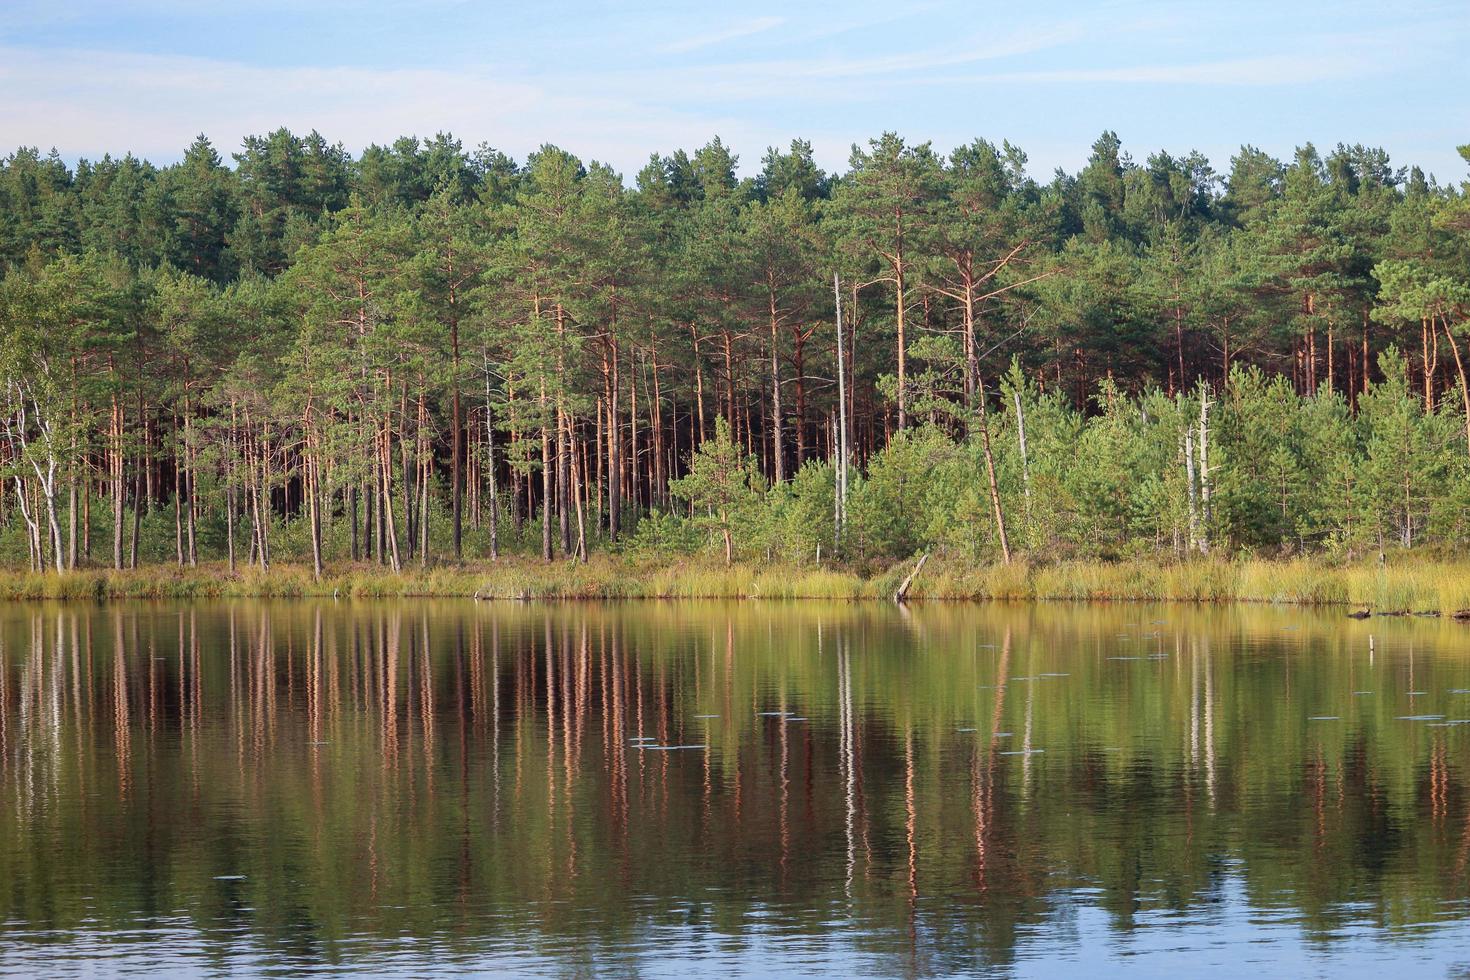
x: 421, y: 788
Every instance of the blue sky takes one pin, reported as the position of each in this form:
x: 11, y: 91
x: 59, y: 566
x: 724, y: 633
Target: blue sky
x: 614, y: 82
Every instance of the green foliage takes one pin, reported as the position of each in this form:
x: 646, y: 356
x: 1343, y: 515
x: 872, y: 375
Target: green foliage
x: 909, y: 494
x: 723, y: 486
x: 796, y: 523
x: 301, y: 346
x: 661, y: 533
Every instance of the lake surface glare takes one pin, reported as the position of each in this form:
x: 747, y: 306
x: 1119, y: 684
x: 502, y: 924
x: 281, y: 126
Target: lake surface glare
x: 434, y: 788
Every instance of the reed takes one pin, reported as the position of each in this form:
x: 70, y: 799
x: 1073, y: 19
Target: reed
x: 1405, y: 585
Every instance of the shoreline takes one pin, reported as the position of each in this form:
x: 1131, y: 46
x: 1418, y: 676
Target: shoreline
x: 1418, y: 586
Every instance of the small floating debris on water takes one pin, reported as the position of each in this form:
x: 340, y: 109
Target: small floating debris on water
x: 1023, y: 678
x: 1420, y: 717
x: 1000, y: 735
x: 1361, y: 693
x: 1324, y: 718
x: 1449, y: 723
x: 1054, y: 675
x: 670, y: 748
x: 706, y: 716
x: 794, y: 718
x: 1415, y: 694
x: 318, y: 743
x: 986, y: 646
x: 1125, y: 658
x: 642, y: 738
x: 1023, y: 752
x: 991, y: 687
x: 229, y: 877
x: 1157, y: 656
x: 1460, y: 690
x: 1159, y: 622
x: 964, y: 729
x: 1288, y: 629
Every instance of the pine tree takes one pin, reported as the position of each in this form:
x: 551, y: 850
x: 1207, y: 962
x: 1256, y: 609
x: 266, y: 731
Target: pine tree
x: 722, y: 485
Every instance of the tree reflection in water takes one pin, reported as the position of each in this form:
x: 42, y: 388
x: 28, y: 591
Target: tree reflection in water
x: 276, y: 785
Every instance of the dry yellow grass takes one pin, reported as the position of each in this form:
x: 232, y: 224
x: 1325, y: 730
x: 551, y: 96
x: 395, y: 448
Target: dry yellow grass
x: 1437, y: 586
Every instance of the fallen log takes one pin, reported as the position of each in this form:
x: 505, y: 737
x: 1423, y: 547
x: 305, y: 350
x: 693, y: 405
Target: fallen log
x: 903, y: 590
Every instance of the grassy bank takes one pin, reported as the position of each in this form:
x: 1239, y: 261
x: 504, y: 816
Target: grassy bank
x: 601, y: 578
x: 1402, y: 586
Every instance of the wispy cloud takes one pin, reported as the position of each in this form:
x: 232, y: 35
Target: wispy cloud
x: 967, y: 52
x: 732, y: 33
x: 831, y: 77
x: 1267, y: 70
x: 833, y: 71
x: 1326, y: 57
x: 824, y: 29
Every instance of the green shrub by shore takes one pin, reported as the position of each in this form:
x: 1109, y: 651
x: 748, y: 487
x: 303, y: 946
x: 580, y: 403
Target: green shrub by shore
x: 1423, y: 586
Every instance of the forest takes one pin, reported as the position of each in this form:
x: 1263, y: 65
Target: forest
x: 427, y: 354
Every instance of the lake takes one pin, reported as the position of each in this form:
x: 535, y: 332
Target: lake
x: 423, y: 788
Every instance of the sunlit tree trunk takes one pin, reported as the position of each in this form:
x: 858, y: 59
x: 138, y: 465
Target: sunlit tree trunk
x: 1000, y: 517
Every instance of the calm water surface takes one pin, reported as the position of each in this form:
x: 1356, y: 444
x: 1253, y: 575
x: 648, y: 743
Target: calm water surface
x: 424, y: 788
